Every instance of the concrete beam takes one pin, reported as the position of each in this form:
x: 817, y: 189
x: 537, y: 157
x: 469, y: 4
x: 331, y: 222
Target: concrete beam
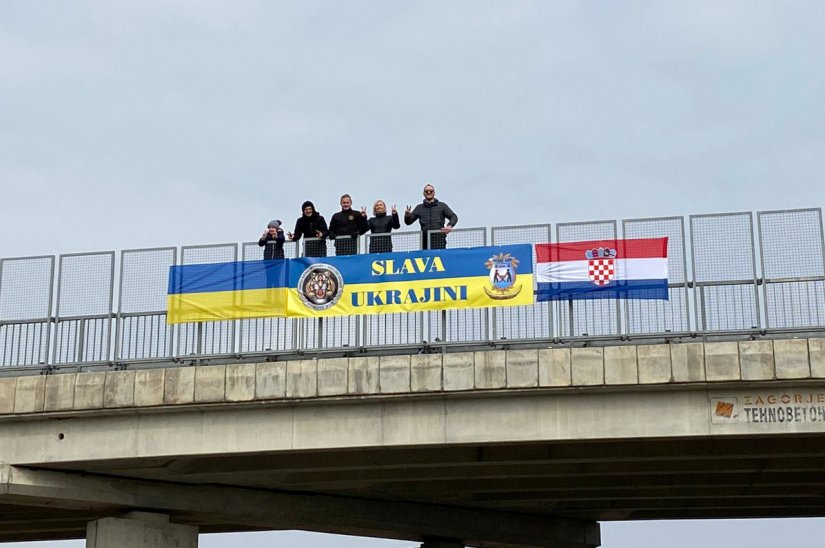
x: 250, y: 508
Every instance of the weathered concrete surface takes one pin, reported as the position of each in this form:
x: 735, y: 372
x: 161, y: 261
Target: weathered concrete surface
x: 119, y: 389
x: 756, y: 360
x: 587, y: 366
x: 426, y: 373
x: 722, y: 361
x: 490, y: 370
x: 792, y: 360
x: 179, y: 385
x: 655, y: 364
x: 554, y: 367
x: 688, y: 362
x: 332, y: 377
x: 59, y: 392
x: 29, y: 394
x: 620, y: 366
x: 751, y: 361
x: 394, y: 374
x: 363, y: 375
x: 522, y: 368
x: 240, y: 382
x: 140, y: 530
x: 210, y: 383
x: 149, y: 387
x: 459, y: 371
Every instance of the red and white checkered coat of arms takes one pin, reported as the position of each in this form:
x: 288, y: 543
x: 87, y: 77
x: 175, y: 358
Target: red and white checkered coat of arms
x: 601, y: 266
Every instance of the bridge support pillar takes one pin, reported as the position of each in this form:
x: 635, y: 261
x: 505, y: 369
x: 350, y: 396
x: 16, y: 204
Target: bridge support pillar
x: 140, y: 530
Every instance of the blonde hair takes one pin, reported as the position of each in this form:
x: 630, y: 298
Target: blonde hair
x: 376, y: 204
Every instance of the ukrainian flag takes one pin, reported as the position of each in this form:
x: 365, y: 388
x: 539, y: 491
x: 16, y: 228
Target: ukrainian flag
x: 225, y: 291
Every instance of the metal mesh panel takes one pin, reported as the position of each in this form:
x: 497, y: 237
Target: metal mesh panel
x: 522, y: 322
x: 722, y: 247
x: 142, y: 331
x: 724, y: 271
x: 793, y: 266
x: 460, y: 325
x: 26, y: 286
x: 84, y: 308
x: 588, y: 317
x: 207, y: 338
x: 653, y: 316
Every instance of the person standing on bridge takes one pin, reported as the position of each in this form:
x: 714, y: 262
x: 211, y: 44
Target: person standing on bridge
x: 312, y: 226
x: 380, y: 226
x: 345, y: 227
x: 272, y: 240
x: 432, y: 214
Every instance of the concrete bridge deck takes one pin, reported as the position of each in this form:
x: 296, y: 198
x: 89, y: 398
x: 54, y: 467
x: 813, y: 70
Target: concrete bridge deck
x: 494, y: 448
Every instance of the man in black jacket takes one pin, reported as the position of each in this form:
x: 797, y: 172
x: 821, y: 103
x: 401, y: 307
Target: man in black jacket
x: 432, y: 214
x: 345, y: 227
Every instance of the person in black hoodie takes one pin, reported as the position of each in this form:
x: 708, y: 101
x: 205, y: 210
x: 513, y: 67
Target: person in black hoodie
x: 431, y: 214
x: 380, y: 226
x: 345, y: 227
x: 313, y: 226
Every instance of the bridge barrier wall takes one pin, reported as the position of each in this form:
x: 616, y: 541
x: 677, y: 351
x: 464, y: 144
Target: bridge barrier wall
x: 545, y: 368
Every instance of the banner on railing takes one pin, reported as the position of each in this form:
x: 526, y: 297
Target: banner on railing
x: 378, y: 283
x: 604, y: 269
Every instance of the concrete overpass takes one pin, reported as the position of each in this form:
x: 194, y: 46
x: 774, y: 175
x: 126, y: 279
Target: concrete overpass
x: 518, y: 447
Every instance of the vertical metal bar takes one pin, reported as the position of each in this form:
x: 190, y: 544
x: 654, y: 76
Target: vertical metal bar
x: 684, y: 266
x: 57, y: 330
x: 106, y: 350
x: 762, y: 266
x: 570, y: 316
x: 696, y: 290
x: 119, y: 317
x: 755, y: 276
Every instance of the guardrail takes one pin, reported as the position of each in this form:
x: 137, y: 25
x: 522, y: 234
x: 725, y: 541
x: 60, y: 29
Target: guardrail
x: 729, y: 274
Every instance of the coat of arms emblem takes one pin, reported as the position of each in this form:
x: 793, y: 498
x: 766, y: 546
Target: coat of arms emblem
x: 601, y: 265
x: 502, y: 276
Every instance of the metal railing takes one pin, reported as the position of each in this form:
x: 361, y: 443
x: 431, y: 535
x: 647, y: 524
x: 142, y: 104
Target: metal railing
x: 732, y: 273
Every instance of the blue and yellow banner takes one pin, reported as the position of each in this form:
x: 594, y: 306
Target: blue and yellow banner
x: 378, y: 283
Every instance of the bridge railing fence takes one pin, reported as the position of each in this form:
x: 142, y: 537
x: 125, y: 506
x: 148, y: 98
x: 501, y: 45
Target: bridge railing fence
x: 793, y: 268
x: 728, y: 273
x: 26, y: 290
x: 724, y: 272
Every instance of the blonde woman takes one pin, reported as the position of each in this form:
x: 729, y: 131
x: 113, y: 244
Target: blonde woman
x: 381, y: 224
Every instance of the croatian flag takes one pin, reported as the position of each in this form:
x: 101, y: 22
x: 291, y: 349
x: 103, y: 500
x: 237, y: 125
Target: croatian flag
x: 605, y: 269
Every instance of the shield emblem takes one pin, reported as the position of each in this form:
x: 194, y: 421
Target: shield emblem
x: 502, y: 275
x: 601, y: 271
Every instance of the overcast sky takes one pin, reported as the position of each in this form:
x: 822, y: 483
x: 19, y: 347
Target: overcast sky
x: 154, y: 123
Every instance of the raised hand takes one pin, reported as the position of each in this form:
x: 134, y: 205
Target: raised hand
x: 363, y: 211
x: 394, y: 210
x: 408, y: 211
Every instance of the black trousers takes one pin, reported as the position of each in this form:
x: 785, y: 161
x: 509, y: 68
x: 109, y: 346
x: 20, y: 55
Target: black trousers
x: 346, y: 245
x: 438, y: 240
